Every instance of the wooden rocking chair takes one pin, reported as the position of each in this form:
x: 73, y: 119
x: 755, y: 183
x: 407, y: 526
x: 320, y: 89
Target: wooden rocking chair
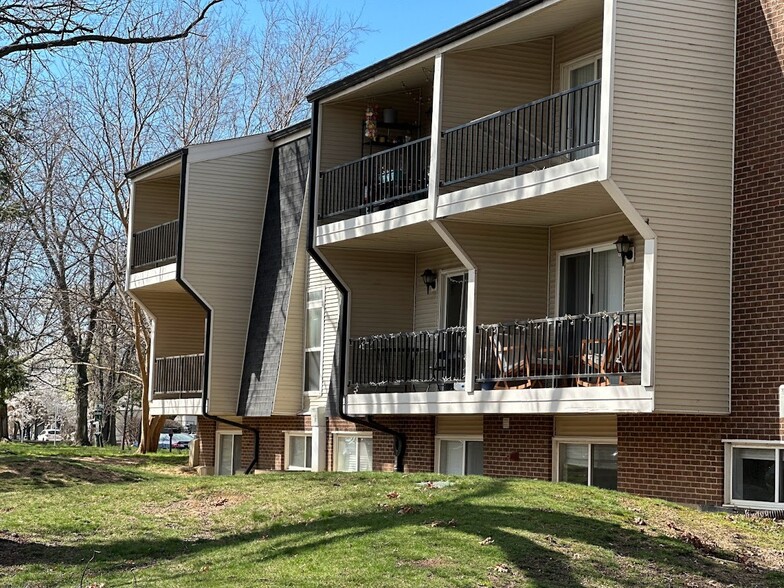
x: 614, y: 357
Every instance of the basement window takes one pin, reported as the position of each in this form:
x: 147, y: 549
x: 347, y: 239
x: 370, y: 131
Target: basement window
x: 755, y: 473
x: 460, y: 455
x: 353, y: 453
x: 299, y: 451
x: 229, y: 453
x: 587, y: 462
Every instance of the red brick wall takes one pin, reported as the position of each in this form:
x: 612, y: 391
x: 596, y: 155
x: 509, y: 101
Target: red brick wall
x: 206, y: 432
x: 272, y: 440
x: 676, y: 457
x: 523, y: 450
x: 336, y: 424
x: 420, y: 449
x: 758, y: 240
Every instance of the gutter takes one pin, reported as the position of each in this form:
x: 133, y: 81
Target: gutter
x: 399, y: 437
x: 208, y: 325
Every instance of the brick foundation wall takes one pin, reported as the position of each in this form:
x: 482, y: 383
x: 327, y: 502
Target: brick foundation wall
x: 272, y: 441
x: 206, y: 432
x: 676, y: 457
x: 420, y: 450
x: 523, y: 450
x: 336, y: 424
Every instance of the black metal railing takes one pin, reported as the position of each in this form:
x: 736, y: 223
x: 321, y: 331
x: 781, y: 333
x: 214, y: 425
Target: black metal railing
x: 180, y: 376
x: 408, y: 358
x: 376, y: 181
x: 564, y: 125
x: 155, y: 245
x: 583, y: 350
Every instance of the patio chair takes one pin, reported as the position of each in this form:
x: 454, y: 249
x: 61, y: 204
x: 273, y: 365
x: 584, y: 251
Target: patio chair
x: 516, y: 375
x: 610, y: 359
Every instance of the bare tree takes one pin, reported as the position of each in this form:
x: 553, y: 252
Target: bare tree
x: 44, y: 25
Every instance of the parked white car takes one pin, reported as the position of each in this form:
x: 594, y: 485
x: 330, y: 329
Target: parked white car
x: 50, y: 435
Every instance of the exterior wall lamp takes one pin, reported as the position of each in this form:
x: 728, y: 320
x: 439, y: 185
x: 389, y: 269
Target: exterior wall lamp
x: 429, y: 277
x: 625, y: 248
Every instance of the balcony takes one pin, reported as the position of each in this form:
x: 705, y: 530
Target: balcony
x: 600, y: 349
x: 180, y: 376
x: 550, y: 131
x: 155, y: 246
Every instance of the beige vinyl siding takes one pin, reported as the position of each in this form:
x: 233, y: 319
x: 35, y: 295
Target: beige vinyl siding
x: 318, y: 279
x: 382, y: 289
x: 672, y: 157
x: 484, y: 81
x: 156, y: 201
x: 511, y: 269
x: 591, y: 233
x: 179, y: 322
x: 603, y: 425
x: 460, y: 425
x: 223, y: 216
x: 582, y: 40
x: 427, y: 305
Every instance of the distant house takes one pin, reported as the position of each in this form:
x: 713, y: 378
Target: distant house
x: 507, y: 250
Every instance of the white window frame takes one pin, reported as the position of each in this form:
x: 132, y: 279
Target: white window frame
x: 287, y: 450
x: 596, y: 248
x: 339, y: 434
x: 589, y: 441
x: 224, y: 433
x: 463, y: 439
x: 567, y: 67
x: 320, y: 348
x: 444, y: 276
x: 729, y: 445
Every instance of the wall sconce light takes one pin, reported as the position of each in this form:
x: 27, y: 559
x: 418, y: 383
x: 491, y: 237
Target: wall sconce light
x: 429, y: 278
x: 625, y: 248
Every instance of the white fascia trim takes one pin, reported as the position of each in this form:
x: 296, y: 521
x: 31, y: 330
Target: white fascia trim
x: 376, y: 222
x: 156, y: 275
x: 227, y: 148
x: 537, y: 183
x: 179, y: 406
x: 129, y: 236
x: 608, y: 88
x: 610, y: 399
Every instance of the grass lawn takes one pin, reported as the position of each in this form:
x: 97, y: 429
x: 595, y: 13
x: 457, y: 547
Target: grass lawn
x: 144, y: 521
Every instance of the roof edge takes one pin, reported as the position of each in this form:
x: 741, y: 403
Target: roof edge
x: 289, y: 130
x: 151, y: 165
x: 469, y: 27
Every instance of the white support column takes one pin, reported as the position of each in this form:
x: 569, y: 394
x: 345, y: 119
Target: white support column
x: 435, y: 138
x: 470, y: 299
x: 318, y: 431
x: 648, y: 304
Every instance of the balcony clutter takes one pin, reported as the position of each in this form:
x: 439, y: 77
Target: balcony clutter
x: 599, y: 349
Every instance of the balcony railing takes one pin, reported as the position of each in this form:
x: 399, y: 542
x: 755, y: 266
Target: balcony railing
x: 585, y: 350
x: 376, y: 181
x: 432, y: 357
x: 180, y: 376
x: 156, y: 245
x: 562, y: 126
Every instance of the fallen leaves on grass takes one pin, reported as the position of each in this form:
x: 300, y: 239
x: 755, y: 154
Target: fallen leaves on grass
x: 487, y: 541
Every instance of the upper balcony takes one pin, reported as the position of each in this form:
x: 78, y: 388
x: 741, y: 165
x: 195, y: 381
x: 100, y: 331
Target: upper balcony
x: 506, y: 103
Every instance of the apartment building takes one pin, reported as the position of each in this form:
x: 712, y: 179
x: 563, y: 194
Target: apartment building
x: 542, y: 244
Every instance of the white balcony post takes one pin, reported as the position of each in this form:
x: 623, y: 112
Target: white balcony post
x: 648, y: 302
x: 435, y: 139
x: 470, y: 330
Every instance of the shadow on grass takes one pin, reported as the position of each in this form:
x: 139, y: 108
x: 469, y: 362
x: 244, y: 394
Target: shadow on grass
x: 535, y: 540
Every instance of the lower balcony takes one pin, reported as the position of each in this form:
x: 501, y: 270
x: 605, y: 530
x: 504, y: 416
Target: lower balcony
x: 178, y: 377
x: 582, y: 363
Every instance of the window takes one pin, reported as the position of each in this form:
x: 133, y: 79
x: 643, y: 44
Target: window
x: 756, y: 474
x: 587, y: 463
x: 229, y: 453
x: 313, y: 328
x: 353, y: 453
x: 460, y: 456
x: 453, y: 301
x: 590, y: 281
x: 299, y: 451
x: 584, y: 113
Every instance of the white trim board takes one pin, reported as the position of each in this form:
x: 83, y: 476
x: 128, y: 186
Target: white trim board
x: 156, y: 275
x: 375, y: 222
x: 577, y: 400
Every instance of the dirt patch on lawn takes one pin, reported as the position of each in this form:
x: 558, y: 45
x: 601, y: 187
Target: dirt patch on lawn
x: 51, y: 472
x: 200, y: 506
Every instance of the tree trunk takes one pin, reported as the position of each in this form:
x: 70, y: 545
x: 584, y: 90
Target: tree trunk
x: 82, y: 385
x: 151, y: 430
x: 110, y: 428
x: 3, y: 420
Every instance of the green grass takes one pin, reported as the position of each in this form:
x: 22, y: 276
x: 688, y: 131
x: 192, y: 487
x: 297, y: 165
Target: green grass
x: 143, y: 521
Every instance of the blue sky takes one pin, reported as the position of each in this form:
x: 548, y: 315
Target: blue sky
x: 402, y: 23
